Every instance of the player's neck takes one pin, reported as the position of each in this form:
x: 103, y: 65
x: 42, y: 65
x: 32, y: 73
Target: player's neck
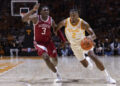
x: 74, y: 22
x: 44, y: 18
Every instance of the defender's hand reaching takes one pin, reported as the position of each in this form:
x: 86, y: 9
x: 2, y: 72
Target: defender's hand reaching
x: 36, y: 7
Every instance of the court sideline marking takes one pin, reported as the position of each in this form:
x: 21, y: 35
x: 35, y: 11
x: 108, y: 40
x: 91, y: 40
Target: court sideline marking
x: 5, y: 67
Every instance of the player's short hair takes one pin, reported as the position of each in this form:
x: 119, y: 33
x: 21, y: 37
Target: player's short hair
x: 73, y: 10
x: 44, y: 7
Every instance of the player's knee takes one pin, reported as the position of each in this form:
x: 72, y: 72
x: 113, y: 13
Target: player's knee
x: 45, y: 56
x: 55, y: 61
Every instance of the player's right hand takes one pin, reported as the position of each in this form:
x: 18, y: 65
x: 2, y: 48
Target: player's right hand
x: 36, y: 7
x: 89, y: 37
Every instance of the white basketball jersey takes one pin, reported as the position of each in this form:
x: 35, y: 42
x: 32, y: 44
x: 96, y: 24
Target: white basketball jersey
x: 74, y: 33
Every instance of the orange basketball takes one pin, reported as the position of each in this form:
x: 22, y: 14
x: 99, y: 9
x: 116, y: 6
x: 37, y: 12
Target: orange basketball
x: 86, y: 44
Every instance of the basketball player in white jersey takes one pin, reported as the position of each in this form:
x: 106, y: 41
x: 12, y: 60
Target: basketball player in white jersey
x: 75, y: 28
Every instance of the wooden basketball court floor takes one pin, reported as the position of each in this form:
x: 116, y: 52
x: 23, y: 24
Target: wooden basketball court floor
x: 34, y: 72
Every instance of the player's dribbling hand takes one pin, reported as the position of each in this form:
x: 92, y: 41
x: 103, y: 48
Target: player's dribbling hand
x: 36, y: 7
x: 90, y: 37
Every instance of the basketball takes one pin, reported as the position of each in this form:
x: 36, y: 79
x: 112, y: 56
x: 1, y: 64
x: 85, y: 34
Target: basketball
x: 86, y: 44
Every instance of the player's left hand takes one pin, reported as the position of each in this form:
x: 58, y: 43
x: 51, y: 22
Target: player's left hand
x: 90, y: 37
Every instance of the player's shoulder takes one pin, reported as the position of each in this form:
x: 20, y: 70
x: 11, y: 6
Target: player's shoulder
x: 83, y: 21
x: 51, y: 18
x: 66, y: 20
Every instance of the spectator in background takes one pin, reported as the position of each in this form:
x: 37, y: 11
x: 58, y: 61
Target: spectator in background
x: 115, y: 47
x: 59, y: 51
x: 119, y: 48
x: 6, y: 48
x: 20, y: 46
x: 99, y: 48
x: 64, y: 51
x: 70, y: 52
x: 107, y: 48
x: 1, y: 50
x: 14, y: 48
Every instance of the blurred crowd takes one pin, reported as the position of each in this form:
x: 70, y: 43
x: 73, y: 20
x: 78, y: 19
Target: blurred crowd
x: 108, y: 47
x: 103, y: 16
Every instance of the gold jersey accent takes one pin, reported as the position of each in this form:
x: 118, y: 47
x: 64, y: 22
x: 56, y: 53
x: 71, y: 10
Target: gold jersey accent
x: 74, y: 33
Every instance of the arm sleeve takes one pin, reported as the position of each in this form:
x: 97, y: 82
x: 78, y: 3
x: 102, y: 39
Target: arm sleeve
x: 61, y: 36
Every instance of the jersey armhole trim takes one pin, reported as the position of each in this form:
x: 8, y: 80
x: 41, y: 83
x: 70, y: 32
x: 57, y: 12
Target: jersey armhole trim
x: 81, y: 25
x: 44, y: 20
x: 51, y: 21
x: 66, y: 21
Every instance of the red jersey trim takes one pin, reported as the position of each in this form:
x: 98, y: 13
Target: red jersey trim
x: 44, y: 20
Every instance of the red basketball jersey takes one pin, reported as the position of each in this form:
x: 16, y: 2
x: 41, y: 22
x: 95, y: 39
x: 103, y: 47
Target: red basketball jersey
x: 42, y: 30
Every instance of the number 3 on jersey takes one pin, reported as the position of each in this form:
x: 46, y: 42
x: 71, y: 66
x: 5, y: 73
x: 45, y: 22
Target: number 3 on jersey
x: 44, y: 31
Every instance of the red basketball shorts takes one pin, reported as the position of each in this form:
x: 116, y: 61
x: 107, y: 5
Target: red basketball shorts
x: 49, y: 48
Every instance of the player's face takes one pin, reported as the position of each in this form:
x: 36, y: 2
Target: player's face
x: 45, y: 11
x: 74, y: 16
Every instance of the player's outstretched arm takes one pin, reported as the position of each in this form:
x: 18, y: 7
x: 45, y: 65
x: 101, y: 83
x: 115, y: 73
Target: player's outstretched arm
x: 58, y: 33
x: 60, y: 25
x: 27, y: 17
x: 87, y: 27
x: 54, y: 25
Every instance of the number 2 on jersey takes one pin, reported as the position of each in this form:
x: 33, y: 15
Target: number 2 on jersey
x: 44, y: 31
x: 73, y: 35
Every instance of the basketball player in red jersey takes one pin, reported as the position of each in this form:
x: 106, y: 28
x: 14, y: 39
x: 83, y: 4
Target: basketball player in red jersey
x: 42, y: 36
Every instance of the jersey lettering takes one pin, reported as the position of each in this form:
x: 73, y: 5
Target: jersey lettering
x: 42, y: 30
x: 73, y: 35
